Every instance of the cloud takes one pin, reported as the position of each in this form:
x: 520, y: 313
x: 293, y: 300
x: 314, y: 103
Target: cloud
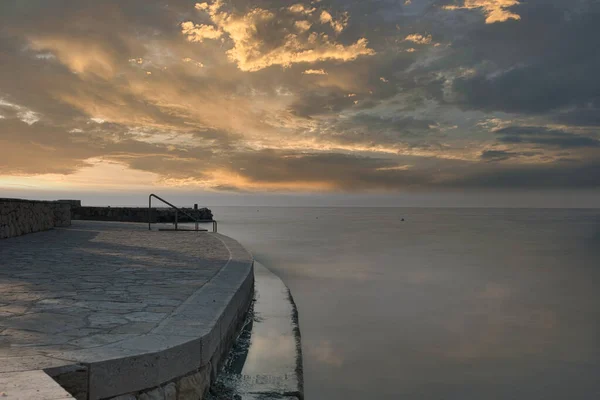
x: 337, y: 25
x: 418, y: 38
x: 105, y: 86
x: 254, y: 49
x: 495, y: 10
x: 545, y: 136
x: 198, y: 33
x: 30, y: 117
x: 301, y: 9
x: 315, y: 72
x: 302, y: 26
x: 516, y: 72
x: 503, y: 155
x: 585, y: 115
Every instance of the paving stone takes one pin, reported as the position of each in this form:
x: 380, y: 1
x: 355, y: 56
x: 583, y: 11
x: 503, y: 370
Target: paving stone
x: 75, y: 333
x: 45, y: 322
x: 106, y: 320
x: 17, y: 386
x: 100, y: 340
x: 145, y: 316
x: 28, y: 362
x: 22, y: 337
x: 134, y: 327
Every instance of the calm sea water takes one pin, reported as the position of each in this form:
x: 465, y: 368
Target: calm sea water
x: 449, y: 304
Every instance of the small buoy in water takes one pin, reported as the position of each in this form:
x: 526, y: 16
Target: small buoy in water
x: 402, y: 219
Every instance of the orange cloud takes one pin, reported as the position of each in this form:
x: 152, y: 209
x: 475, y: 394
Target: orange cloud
x: 249, y: 51
x: 495, y: 10
x: 197, y: 33
x: 82, y: 57
x: 418, y: 38
x: 315, y: 72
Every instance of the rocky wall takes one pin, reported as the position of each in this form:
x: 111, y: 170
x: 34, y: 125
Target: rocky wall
x: 20, y: 217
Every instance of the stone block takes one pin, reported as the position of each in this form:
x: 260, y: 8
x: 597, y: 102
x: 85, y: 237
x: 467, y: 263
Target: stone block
x: 171, y: 391
x: 125, y: 397
x: 194, y: 386
x: 124, y: 375
x: 155, y: 394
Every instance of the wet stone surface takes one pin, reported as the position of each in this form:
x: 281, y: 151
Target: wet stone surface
x: 266, y: 361
x: 97, y: 283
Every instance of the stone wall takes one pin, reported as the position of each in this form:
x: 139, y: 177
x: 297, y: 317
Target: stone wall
x: 20, y: 217
x: 137, y: 214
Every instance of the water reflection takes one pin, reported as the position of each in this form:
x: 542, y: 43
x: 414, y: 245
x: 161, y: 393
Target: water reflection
x: 267, y: 361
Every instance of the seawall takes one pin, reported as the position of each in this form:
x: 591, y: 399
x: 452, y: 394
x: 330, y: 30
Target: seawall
x: 19, y: 217
x: 105, y: 310
x: 137, y: 214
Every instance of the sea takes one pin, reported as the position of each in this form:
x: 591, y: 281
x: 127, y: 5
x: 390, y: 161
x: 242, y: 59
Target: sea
x: 436, y: 303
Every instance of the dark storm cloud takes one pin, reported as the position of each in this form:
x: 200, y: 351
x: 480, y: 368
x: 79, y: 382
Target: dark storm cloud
x: 543, y: 62
x: 545, y: 137
x: 502, y: 155
x: 587, y: 115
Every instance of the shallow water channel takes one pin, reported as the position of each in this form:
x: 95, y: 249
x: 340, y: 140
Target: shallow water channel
x: 266, y: 362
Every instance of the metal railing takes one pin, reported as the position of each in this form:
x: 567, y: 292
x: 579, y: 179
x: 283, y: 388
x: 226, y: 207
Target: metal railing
x: 177, y: 211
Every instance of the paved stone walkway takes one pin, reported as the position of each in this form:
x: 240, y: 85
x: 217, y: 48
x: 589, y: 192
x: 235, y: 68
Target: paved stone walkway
x: 94, y: 284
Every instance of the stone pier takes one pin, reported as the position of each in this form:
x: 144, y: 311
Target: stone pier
x: 106, y: 310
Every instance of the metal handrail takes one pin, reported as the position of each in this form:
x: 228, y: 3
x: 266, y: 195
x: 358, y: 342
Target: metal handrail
x: 177, y: 210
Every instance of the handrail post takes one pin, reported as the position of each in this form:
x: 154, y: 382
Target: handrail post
x: 150, y: 212
x: 175, y: 219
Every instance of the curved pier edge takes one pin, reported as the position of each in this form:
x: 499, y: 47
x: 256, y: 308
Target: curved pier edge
x: 193, y: 342
x: 266, y: 360
x: 298, y: 338
x: 177, y: 360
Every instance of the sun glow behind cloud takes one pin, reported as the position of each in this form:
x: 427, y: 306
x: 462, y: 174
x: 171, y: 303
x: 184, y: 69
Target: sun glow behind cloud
x: 98, y: 175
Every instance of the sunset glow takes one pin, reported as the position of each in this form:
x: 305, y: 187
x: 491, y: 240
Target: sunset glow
x: 303, y: 96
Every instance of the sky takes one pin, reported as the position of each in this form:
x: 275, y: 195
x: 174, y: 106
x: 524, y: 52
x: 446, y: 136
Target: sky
x: 252, y: 98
